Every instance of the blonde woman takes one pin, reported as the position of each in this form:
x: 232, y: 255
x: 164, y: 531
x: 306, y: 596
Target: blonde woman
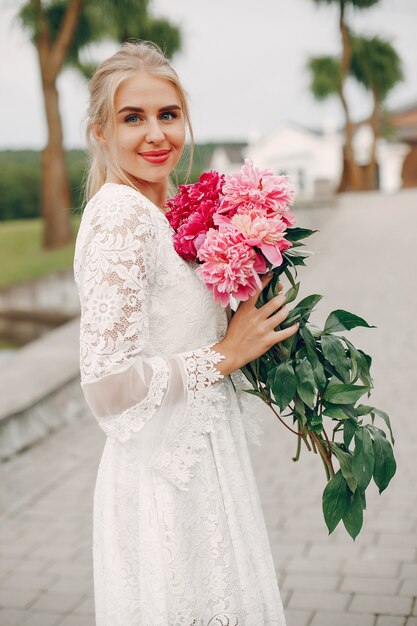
x: 179, y: 536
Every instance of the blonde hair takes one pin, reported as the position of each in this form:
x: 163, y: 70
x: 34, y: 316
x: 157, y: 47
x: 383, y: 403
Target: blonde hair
x: 131, y: 58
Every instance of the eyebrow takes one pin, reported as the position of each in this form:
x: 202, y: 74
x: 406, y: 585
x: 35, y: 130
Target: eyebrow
x: 140, y: 110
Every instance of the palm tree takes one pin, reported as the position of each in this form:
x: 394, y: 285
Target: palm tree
x: 351, y: 174
x: 60, y: 31
x: 376, y: 65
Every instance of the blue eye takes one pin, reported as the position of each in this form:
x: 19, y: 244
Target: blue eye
x: 132, y: 118
x: 170, y: 115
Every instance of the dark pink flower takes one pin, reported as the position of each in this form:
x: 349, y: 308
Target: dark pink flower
x: 190, y: 198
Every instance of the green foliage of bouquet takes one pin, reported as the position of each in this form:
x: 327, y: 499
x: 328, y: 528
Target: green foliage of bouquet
x: 316, y: 378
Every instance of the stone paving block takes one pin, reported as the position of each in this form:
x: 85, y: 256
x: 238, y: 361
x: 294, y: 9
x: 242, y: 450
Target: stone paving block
x: 390, y: 620
x: 412, y: 621
x: 408, y: 587
x: 40, y: 618
x: 86, y: 607
x: 29, y: 566
x: 397, y: 539
x: 72, y: 585
x: 310, y: 582
x: 374, y: 569
x: 298, y: 618
x: 305, y: 565
x: 319, y: 600
x: 55, y: 552
x: 375, y: 604
x: 11, y: 617
x: 70, y: 569
x: 17, y: 598
x: 408, y: 570
x: 57, y: 602
x: 77, y: 620
x: 7, y: 565
x: 341, y: 619
x: 38, y: 582
x: 362, y: 584
x: 329, y: 551
x: 398, y: 554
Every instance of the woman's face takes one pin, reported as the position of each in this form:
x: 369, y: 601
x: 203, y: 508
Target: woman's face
x: 149, y: 132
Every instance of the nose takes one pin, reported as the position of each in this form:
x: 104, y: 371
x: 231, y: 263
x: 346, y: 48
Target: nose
x: 154, y: 133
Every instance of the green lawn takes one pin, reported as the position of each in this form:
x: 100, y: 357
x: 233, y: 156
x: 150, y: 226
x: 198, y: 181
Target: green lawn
x: 21, y: 253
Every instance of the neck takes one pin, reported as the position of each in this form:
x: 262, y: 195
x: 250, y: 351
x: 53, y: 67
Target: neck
x: 155, y: 192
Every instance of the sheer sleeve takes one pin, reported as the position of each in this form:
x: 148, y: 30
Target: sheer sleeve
x: 125, y: 385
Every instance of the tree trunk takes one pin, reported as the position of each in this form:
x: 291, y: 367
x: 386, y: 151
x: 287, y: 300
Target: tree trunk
x: 370, y: 171
x: 56, y: 195
x: 351, y: 180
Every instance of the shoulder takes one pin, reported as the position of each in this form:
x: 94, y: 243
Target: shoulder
x: 115, y: 206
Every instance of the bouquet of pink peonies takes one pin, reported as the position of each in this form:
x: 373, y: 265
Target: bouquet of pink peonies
x: 238, y: 227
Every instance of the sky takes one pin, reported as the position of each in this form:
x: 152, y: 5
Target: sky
x: 243, y: 63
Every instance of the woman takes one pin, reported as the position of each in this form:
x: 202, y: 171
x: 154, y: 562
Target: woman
x: 179, y: 537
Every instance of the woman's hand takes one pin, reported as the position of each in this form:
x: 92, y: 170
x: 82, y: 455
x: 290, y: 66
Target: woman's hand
x: 251, y: 331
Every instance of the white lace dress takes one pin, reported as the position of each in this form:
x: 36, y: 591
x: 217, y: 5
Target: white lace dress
x: 179, y: 535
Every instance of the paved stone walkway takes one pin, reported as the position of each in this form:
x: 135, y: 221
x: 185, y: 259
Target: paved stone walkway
x: 366, y: 262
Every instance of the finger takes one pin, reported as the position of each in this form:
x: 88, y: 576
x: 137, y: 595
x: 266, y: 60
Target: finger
x: 280, y: 335
x: 275, y: 320
x: 272, y: 305
x: 264, y: 280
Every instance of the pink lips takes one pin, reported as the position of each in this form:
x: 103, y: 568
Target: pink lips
x: 156, y: 156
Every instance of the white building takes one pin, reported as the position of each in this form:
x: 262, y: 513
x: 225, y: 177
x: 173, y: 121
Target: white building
x: 313, y: 159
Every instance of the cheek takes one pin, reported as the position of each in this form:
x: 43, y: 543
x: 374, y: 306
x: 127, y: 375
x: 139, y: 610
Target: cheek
x: 178, y: 137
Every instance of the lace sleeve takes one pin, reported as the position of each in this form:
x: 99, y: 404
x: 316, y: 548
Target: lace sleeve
x: 116, y: 256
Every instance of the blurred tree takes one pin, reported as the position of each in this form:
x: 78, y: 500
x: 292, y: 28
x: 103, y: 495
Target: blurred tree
x: 351, y: 175
x: 376, y: 65
x: 60, y: 31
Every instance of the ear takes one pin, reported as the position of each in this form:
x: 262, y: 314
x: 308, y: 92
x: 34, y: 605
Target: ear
x: 98, y: 134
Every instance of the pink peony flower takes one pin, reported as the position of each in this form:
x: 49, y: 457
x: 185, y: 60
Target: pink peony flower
x: 190, y: 197
x: 229, y: 265
x: 268, y: 234
x: 252, y: 188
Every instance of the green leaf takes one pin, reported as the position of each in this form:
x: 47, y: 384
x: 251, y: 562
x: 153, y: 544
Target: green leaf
x: 343, y: 320
x: 386, y: 419
x: 254, y: 392
x: 353, y: 515
x: 249, y: 374
x: 310, y: 342
x: 344, y: 394
x: 283, y: 383
x: 363, y: 458
x: 364, y: 367
x: 302, y: 310
x: 349, y: 428
x: 296, y: 233
x: 355, y: 359
x: 289, y: 276
x: 292, y: 293
x: 335, y: 500
x: 335, y: 412
x: 345, y: 462
x: 385, y: 465
x: 305, y: 382
x: 334, y: 352
x: 363, y: 409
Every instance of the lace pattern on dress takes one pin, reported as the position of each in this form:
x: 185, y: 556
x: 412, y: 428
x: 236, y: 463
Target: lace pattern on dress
x: 133, y: 419
x: 205, y: 404
x: 250, y: 407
